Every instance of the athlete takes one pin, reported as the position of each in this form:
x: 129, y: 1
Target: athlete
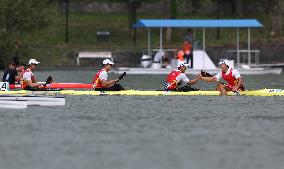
x: 11, y: 74
x: 29, y: 79
x: 177, y: 80
x: 230, y: 75
x: 101, y: 82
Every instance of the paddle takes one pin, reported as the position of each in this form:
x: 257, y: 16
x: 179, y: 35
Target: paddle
x: 48, y: 80
x: 206, y: 74
x: 121, y: 76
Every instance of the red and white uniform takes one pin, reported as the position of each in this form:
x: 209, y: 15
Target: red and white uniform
x: 174, y: 79
x: 231, y: 76
x: 101, y: 75
x: 28, y: 75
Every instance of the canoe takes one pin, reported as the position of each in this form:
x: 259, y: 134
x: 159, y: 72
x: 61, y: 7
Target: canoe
x: 261, y: 92
x: 11, y: 104
x: 34, y: 100
x: 60, y: 85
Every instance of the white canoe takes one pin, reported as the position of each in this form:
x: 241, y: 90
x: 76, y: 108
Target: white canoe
x: 11, y: 104
x: 33, y: 100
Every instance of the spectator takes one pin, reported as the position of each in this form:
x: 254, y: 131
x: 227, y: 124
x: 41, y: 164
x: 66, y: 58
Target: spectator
x: 189, y: 37
x: 187, y: 50
x: 180, y: 57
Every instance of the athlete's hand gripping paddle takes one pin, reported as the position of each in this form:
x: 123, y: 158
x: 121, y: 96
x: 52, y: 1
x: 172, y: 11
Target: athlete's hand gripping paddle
x: 121, y: 76
x: 205, y: 74
x: 48, y: 80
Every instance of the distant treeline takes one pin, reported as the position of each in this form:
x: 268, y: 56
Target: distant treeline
x: 182, y: 8
x: 22, y: 21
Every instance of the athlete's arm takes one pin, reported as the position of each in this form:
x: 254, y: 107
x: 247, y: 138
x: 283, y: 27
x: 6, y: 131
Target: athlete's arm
x: 182, y: 77
x: 31, y: 84
x: 193, y: 81
x: 209, y: 79
x: 103, y: 79
x: 108, y: 83
x: 17, y: 78
x: 29, y: 81
x: 240, y: 82
x: 237, y: 75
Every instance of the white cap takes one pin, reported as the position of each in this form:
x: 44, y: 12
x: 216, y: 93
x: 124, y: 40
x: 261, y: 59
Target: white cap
x: 182, y: 64
x: 33, y: 61
x: 223, y: 62
x: 107, y: 62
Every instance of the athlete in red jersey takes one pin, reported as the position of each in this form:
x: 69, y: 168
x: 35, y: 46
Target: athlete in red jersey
x: 101, y: 82
x: 178, y: 81
x: 230, y: 75
x: 28, y: 78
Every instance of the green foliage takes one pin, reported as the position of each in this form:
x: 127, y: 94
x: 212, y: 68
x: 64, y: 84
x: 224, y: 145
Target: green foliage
x: 173, y: 8
x: 18, y: 17
x: 109, y: 1
x: 40, y: 30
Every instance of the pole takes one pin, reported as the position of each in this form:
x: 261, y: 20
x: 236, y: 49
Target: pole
x: 66, y: 21
x: 149, y: 42
x: 204, y: 39
x: 161, y: 38
x: 194, y: 38
x: 249, y: 59
x: 238, y: 47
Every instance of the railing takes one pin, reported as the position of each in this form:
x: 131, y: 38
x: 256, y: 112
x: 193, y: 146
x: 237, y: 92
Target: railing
x: 167, y: 59
x: 249, y: 57
x: 152, y: 52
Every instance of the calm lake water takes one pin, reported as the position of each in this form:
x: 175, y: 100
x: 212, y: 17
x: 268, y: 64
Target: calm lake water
x: 134, y: 132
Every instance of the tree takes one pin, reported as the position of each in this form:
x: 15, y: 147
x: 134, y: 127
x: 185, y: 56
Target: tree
x: 132, y: 6
x: 170, y: 12
x: 19, y: 17
x: 237, y: 8
x: 275, y: 15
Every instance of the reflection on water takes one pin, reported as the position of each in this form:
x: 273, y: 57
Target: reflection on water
x: 126, y: 132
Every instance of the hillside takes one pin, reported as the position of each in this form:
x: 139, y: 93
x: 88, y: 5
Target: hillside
x: 50, y: 48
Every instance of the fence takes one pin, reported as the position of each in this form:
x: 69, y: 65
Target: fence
x: 249, y: 57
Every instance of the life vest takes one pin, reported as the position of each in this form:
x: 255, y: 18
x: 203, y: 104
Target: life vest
x: 171, y: 82
x: 187, y: 47
x: 96, y: 82
x: 24, y: 82
x: 180, y: 55
x: 232, y: 81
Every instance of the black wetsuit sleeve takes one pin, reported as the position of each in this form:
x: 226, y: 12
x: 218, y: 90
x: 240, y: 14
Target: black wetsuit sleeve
x: 4, y: 76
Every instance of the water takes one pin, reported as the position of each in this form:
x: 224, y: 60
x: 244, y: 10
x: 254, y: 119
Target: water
x: 134, y: 132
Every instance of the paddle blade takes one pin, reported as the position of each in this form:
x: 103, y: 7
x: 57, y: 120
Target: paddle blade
x: 205, y: 74
x: 121, y: 76
x: 49, y: 80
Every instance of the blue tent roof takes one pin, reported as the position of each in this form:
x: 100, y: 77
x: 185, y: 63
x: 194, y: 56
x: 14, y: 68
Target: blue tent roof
x: 197, y: 23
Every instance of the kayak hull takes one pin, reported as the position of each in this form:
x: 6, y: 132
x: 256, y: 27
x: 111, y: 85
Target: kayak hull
x: 60, y: 85
x: 261, y: 92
